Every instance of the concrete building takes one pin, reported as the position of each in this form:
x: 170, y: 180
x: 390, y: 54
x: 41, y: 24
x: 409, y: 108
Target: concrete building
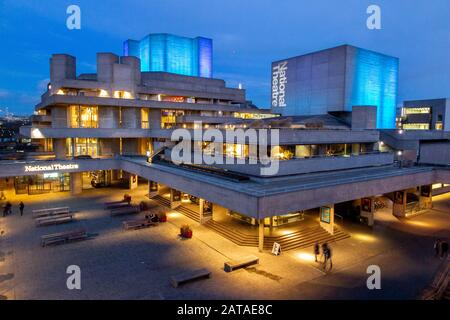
x: 121, y: 124
x: 335, y: 80
x: 431, y: 114
x: 171, y: 53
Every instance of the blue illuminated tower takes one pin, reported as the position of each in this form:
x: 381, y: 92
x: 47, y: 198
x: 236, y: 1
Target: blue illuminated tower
x: 335, y: 80
x: 171, y: 53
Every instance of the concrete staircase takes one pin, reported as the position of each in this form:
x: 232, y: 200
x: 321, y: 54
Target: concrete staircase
x: 181, y: 209
x: 300, y: 239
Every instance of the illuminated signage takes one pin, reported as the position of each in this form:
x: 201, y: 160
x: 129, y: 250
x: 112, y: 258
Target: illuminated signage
x: 279, y: 81
x: 51, y: 167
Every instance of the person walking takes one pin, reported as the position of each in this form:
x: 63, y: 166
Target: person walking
x: 316, y: 250
x: 8, y: 208
x: 437, y: 248
x: 444, y: 249
x: 21, y: 207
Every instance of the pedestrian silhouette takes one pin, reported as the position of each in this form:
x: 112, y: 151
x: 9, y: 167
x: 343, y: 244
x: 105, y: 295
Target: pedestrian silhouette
x: 21, y: 207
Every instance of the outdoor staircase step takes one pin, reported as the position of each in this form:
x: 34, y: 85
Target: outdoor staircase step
x: 299, y: 239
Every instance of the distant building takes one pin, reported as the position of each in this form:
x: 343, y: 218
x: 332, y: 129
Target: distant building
x: 335, y: 80
x: 172, y: 53
x: 431, y: 114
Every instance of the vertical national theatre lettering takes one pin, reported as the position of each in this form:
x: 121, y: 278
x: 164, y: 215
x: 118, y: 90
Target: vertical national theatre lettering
x: 279, y: 82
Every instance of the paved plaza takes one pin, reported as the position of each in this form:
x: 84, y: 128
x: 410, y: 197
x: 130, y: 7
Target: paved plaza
x: 118, y: 264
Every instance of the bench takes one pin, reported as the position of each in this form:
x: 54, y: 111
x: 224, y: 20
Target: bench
x: 64, y: 237
x: 50, y: 211
x: 189, y: 276
x: 116, y: 205
x: 107, y: 204
x: 241, y: 263
x: 138, y: 224
x: 125, y: 210
x: 56, y: 219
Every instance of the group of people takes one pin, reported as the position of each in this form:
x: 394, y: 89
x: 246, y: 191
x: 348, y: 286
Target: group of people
x: 326, y: 254
x: 7, y: 208
x: 441, y: 248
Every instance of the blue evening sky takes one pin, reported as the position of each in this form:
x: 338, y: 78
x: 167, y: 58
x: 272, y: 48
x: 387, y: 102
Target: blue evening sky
x: 247, y: 35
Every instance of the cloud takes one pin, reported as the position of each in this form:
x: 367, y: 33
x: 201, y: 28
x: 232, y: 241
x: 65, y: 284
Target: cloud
x: 4, y: 93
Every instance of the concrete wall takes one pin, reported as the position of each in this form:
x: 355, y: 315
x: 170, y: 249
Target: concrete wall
x: 59, y: 117
x: 320, y: 164
x: 435, y: 153
x: 131, y: 118
x: 108, y: 117
x: 62, y: 66
x: 364, y: 117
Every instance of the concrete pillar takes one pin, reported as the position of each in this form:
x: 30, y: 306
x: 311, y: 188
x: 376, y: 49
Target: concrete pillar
x: 175, y: 198
x: 368, y: 210
x: 425, y: 197
x: 201, y: 204
x: 131, y: 118
x: 108, y: 117
x: 399, y: 205
x: 326, y: 218
x: 152, y: 188
x: 261, y: 235
x: 59, y: 148
x: 132, y: 180
x: 154, y: 118
x: 76, y: 183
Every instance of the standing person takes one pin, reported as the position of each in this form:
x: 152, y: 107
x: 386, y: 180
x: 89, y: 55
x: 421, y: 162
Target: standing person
x: 437, y: 248
x: 444, y: 249
x: 5, y: 210
x: 8, y: 207
x: 329, y: 255
x: 21, y: 207
x: 316, y: 250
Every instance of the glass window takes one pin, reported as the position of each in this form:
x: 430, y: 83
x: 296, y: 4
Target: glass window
x: 86, y: 146
x: 83, y: 117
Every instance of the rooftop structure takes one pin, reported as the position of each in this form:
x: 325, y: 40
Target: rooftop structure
x: 171, y: 53
x: 335, y: 80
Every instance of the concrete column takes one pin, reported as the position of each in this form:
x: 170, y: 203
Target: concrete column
x: 152, y: 188
x: 201, y: 204
x: 154, y: 118
x: 132, y: 180
x: 399, y: 205
x: 426, y: 198
x: 368, y: 209
x: 326, y: 218
x: 261, y: 235
x: 59, y: 148
x: 175, y: 198
x: 76, y: 183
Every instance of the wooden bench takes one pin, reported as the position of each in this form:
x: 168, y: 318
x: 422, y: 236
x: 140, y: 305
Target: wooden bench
x: 118, y: 204
x: 56, y: 219
x: 189, y: 276
x: 125, y: 210
x: 138, y: 224
x: 64, y: 237
x: 50, y: 212
x: 241, y: 263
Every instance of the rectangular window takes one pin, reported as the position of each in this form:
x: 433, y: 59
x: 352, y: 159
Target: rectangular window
x: 83, y: 116
x: 86, y: 146
x: 144, y: 118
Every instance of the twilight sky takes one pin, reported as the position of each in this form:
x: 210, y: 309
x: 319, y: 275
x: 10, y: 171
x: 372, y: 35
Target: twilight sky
x: 247, y: 35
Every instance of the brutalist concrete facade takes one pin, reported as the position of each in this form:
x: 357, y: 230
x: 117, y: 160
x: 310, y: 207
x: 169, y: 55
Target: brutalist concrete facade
x: 335, y: 80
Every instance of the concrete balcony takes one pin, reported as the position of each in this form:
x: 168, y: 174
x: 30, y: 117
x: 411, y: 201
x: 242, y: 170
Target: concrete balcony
x: 38, y: 132
x: 205, y: 119
x: 55, y: 99
x: 305, y: 165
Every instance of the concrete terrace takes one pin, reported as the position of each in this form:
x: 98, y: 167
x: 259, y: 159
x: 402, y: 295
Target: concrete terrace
x: 119, y: 264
